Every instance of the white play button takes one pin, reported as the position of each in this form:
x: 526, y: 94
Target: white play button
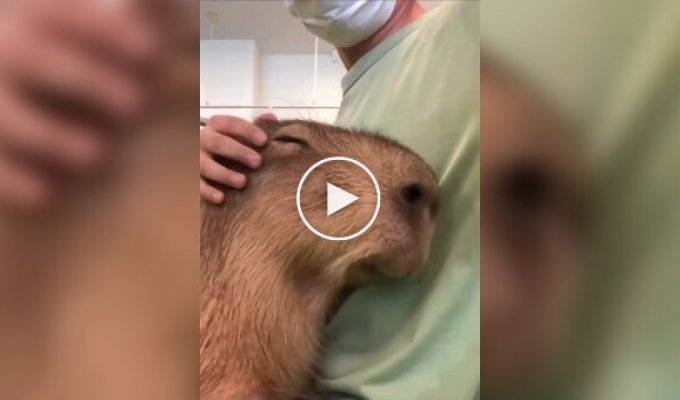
x: 337, y: 199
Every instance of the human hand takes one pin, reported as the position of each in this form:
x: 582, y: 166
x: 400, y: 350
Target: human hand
x: 233, y: 139
x: 69, y: 71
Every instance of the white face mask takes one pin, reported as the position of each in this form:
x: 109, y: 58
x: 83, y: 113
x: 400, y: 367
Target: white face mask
x: 342, y: 23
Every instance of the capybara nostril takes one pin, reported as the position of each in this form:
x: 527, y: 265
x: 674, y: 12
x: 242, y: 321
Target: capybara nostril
x: 413, y: 193
x: 418, y: 198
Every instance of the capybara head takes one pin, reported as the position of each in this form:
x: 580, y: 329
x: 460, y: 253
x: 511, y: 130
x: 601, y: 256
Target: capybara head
x: 265, y: 212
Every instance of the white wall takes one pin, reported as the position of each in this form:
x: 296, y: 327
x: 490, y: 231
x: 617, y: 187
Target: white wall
x: 228, y: 75
x: 288, y: 80
x: 234, y: 73
x: 292, y: 77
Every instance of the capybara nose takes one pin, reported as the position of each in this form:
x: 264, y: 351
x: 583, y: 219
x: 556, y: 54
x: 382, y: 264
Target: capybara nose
x: 417, y: 198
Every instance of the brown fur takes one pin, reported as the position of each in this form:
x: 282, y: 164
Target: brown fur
x: 268, y: 283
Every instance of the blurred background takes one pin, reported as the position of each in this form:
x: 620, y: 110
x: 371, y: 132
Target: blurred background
x: 610, y: 69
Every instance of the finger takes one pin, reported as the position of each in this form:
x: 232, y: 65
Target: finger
x: 216, y: 143
x: 26, y: 130
x: 210, y: 194
x: 76, y: 76
x: 113, y: 27
x: 214, y: 171
x: 238, y: 128
x: 21, y: 187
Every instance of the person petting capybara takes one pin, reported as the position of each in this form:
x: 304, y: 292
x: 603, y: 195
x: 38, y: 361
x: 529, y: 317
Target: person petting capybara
x: 268, y: 283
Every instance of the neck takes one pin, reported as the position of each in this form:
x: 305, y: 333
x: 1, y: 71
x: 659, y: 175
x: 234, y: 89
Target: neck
x: 405, y: 12
x: 255, y: 318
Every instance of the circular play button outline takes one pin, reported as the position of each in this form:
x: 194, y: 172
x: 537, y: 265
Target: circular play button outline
x: 304, y: 178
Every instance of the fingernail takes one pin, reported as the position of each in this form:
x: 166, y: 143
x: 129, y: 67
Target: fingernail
x: 262, y: 138
x: 255, y: 160
x: 240, y: 181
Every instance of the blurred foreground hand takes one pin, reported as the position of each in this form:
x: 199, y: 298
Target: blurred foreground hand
x: 98, y: 290
x: 71, y: 72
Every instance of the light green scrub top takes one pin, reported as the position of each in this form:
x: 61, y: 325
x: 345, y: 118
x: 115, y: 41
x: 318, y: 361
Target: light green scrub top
x: 418, y: 339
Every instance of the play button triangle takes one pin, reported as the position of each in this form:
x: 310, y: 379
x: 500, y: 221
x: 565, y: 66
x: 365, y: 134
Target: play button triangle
x: 337, y: 199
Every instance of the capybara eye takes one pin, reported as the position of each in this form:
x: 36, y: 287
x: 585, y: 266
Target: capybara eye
x: 291, y: 139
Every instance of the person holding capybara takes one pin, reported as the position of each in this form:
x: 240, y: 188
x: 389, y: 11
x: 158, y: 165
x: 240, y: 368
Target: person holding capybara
x: 414, y: 76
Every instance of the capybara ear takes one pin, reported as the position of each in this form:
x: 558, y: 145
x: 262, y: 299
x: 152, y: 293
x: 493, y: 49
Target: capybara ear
x: 269, y: 126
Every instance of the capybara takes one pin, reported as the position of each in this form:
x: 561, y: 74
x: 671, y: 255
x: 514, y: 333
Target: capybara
x: 268, y: 283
